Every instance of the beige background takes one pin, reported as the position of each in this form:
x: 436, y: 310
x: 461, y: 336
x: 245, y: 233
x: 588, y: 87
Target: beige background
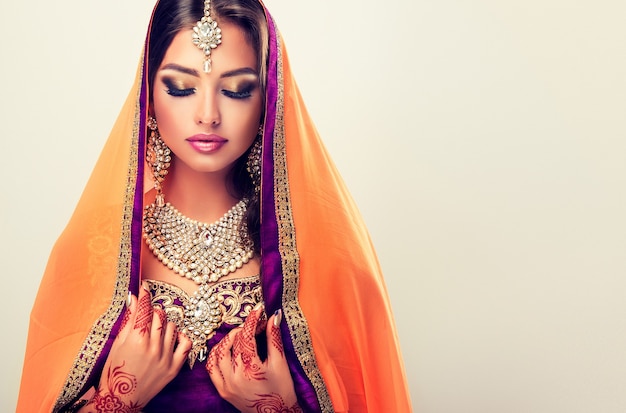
x: 483, y: 140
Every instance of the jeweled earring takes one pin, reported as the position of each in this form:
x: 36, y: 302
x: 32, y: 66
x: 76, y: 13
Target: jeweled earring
x: 158, y: 156
x: 253, y: 164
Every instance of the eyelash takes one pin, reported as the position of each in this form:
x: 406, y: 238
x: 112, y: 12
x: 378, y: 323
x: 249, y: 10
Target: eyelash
x: 176, y: 92
x: 244, y: 94
x: 180, y: 92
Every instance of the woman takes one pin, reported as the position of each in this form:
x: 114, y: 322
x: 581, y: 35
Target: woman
x: 170, y: 312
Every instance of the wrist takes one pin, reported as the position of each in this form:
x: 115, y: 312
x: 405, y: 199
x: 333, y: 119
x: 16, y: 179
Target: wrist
x: 273, y: 403
x: 106, y: 402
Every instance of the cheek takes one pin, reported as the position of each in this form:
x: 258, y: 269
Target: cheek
x: 245, y: 118
x: 169, y: 116
x: 161, y: 111
x: 253, y: 116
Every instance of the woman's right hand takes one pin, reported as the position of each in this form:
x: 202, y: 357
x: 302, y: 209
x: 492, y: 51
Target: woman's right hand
x: 146, y: 355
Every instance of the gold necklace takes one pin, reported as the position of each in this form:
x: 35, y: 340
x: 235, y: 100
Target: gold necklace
x: 200, y: 252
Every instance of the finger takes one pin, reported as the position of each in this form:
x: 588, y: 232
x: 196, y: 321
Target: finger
x: 245, y: 342
x: 275, y: 347
x: 170, y: 333
x: 128, y: 317
x: 182, y: 349
x: 261, y: 323
x: 246, y: 360
x: 143, y: 320
x: 220, y: 358
x: 159, y: 321
x: 157, y: 331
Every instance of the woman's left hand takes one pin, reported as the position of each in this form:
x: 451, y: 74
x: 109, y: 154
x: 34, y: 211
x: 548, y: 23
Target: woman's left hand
x: 243, y: 379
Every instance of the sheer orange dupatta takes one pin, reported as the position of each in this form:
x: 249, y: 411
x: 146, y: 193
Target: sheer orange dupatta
x: 84, y: 287
x: 330, y: 271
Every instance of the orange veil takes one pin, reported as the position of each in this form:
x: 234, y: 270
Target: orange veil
x: 318, y: 265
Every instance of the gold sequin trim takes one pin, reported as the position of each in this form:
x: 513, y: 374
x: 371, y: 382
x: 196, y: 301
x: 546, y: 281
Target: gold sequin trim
x: 96, y: 339
x: 298, y: 327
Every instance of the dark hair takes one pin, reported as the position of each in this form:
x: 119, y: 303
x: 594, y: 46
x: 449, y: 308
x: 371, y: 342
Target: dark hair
x: 171, y: 16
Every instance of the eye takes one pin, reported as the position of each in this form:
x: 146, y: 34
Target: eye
x: 172, y: 91
x: 243, y: 94
x: 176, y: 91
x: 239, y: 89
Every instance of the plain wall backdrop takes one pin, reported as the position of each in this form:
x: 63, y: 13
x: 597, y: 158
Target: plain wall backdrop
x: 484, y: 142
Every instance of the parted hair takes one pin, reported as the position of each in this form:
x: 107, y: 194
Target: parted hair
x: 171, y: 16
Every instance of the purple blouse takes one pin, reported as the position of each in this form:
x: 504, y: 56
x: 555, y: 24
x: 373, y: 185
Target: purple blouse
x: 192, y: 389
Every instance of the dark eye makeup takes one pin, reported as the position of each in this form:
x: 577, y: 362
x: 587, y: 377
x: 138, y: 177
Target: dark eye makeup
x: 176, y: 89
x: 242, y: 91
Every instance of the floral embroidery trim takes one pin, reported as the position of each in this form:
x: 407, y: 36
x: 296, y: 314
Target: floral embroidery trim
x: 298, y: 326
x: 236, y: 299
x: 97, y: 337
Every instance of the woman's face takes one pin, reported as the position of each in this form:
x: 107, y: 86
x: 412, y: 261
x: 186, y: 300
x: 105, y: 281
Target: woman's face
x: 208, y: 119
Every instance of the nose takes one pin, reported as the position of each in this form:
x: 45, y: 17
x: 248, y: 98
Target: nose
x: 208, y: 111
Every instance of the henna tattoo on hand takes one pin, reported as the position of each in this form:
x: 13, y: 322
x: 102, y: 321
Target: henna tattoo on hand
x: 143, y: 322
x: 119, y: 383
x: 215, y: 357
x: 125, y: 318
x: 277, y: 340
x: 243, y: 346
x: 162, y: 317
x: 110, y: 403
x: 273, y: 403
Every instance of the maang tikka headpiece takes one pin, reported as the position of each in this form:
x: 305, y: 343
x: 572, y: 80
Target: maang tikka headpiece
x: 206, y: 35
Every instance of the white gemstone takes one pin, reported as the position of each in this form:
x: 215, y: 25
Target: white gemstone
x: 205, y: 30
x: 202, y: 311
x: 206, y: 237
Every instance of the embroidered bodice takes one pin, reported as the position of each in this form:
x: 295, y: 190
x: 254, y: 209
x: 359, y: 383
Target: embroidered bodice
x: 192, y: 389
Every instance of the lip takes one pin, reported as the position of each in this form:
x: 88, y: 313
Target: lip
x: 204, y: 143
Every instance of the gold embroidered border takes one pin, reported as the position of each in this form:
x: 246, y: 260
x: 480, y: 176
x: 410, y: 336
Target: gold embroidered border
x: 298, y: 327
x: 101, y: 329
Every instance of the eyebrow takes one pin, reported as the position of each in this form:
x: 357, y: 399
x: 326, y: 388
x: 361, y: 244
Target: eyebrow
x: 179, y: 68
x: 194, y: 72
x: 237, y: 72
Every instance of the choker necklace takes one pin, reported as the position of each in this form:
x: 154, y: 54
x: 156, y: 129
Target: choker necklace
x: 200, y: 252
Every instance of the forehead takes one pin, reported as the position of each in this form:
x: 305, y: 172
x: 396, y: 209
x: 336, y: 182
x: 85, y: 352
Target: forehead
x: 234, y: 52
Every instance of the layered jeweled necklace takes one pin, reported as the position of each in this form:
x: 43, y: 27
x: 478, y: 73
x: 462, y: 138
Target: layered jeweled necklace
x: 200, y: 252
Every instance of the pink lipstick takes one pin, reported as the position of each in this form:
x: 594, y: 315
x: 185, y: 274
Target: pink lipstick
x: 206, y: 143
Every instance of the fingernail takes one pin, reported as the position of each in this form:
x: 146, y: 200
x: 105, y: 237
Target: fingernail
x: 128, y: 299
x: 258, y: 306
x: 144, y: 285
x: 278, y: 317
